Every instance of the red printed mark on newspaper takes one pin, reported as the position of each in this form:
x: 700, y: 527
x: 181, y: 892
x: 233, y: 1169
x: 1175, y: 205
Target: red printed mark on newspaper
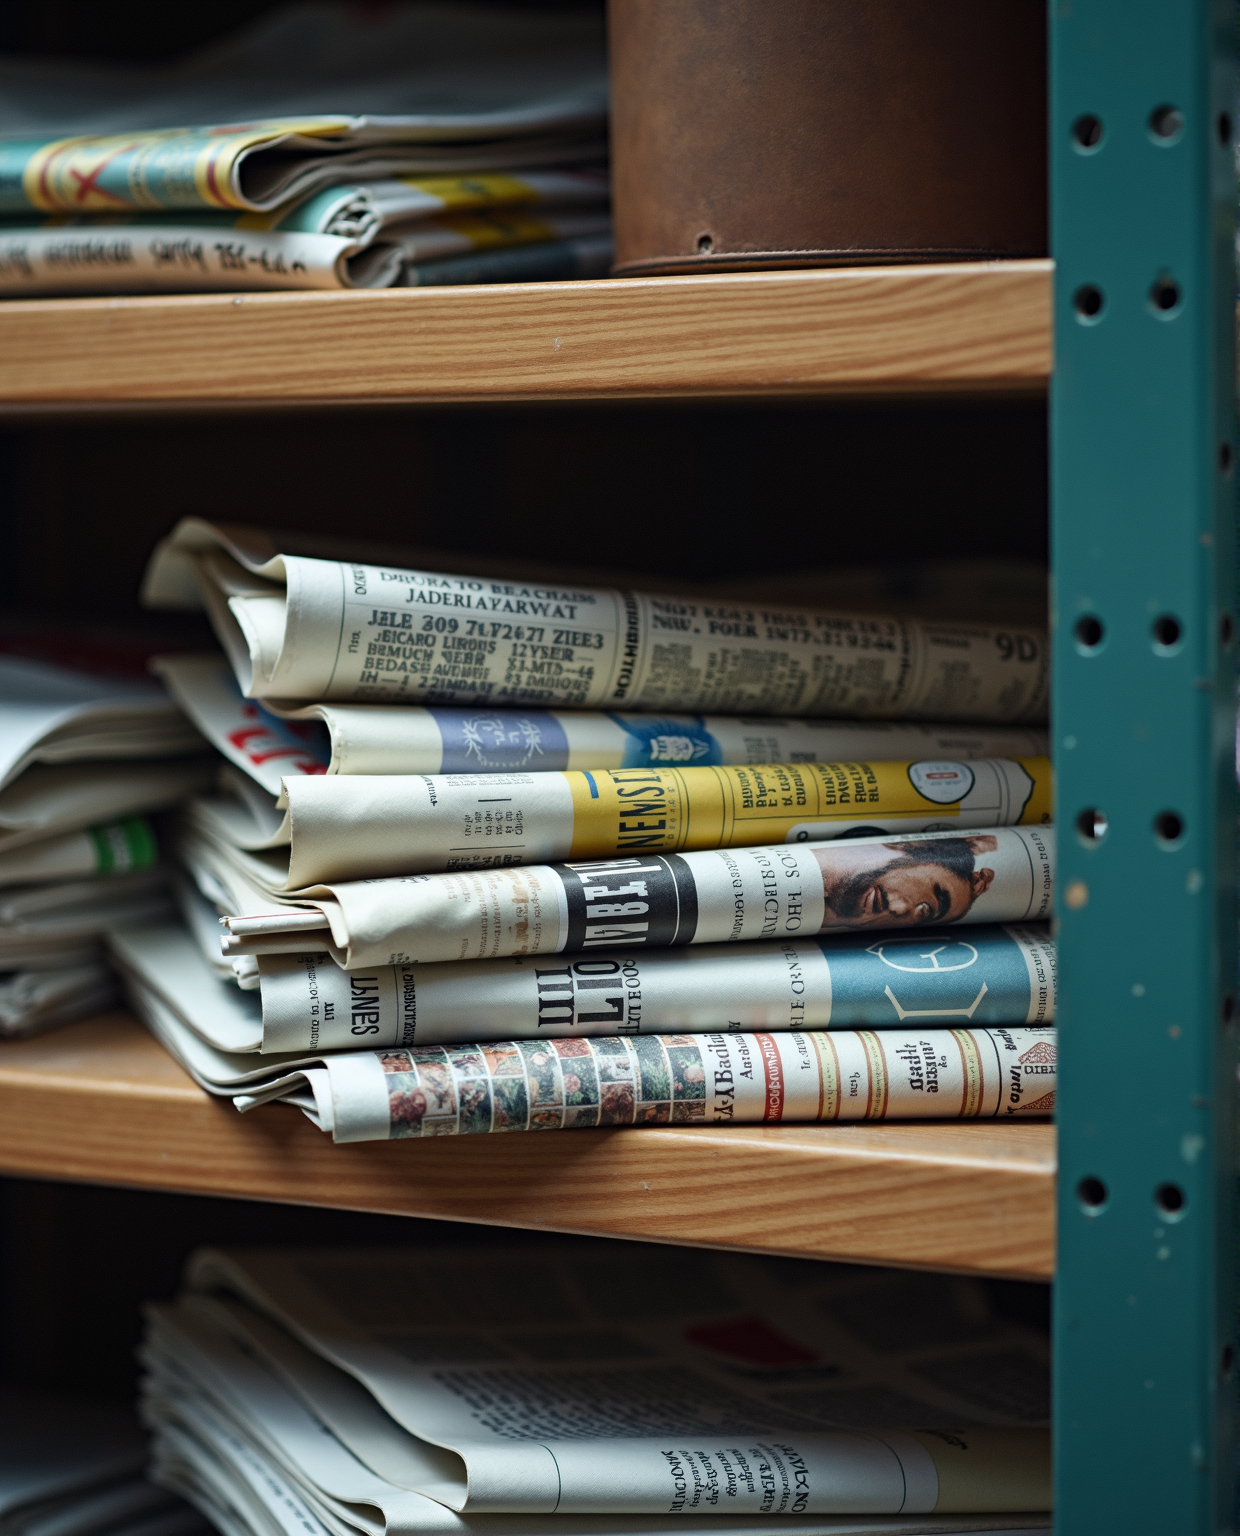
x: 773, y: 1068
x: 261, y: 745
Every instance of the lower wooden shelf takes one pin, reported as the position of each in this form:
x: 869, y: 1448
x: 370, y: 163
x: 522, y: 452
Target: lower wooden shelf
x: 102, y: 1102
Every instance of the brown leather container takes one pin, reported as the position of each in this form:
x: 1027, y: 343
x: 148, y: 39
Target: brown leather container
x: 763, y: 133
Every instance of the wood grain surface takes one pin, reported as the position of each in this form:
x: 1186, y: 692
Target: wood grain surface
x: 971, y: 326
x: 102, y: 1102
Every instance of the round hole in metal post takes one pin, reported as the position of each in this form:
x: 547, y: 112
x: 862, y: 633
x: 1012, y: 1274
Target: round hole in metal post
x: 1089, y: 301
x: 1167, y: 632
x: 1169, y: 828
x: 1171, y: 1201
x: 1092, y: 826
x: 1166, y: 123
x: 1165, y: 296
x: 1089, y: 633
x: 1093, y: 1195
x: 1087, y: 132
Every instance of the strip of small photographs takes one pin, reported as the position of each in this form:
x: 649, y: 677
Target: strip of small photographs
x: 545, y: 1085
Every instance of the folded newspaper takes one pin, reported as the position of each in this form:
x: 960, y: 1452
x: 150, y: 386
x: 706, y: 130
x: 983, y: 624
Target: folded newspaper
x: 370, y: 209
x: 73, y: 1467
x: 52, y: 965
x: 62, y: 922
x: 113, y: 847
x: 304, y: 629
x: 52, y: 715
x: 738, y: 1077
x: 76, y: 751
x: 174, y: 258
x: 710, y: 897
x: 80, y: 759
x: 255, y: 1461
x: 395, y: 738
x: 635, y: 1382
x: 250, y: 1422
x: 51, y: 799
x: 32, y: 1001
x: 307, y: 97
x: 346, y: 828
x: 996, y: 975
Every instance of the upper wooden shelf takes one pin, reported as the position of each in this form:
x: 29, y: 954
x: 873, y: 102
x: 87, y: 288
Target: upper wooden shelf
x: 102, y: 1102
x: 978, y: 326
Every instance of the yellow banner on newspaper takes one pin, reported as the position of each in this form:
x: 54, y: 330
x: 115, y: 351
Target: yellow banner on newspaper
x: 670, y: 809
x: 480, y: 190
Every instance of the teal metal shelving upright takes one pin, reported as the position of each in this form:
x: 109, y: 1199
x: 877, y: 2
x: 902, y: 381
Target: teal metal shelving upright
x: 1142, y: 439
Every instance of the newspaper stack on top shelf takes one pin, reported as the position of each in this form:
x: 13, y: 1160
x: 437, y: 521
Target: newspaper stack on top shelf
x: 462, y: 891
x: 615, y: 1392
x: 336, y: 146
x: 84, y: 761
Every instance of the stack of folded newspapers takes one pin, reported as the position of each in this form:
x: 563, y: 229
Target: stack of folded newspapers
x: 621, y: 1391
x: 72, y: 1467
x: 83, y: 762
x: 466, y: 887
x: 327, y: 146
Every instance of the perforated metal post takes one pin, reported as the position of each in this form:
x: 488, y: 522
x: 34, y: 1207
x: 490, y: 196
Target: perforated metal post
x: 1142, y: 532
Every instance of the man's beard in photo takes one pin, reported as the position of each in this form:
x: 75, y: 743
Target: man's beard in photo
x: 846, y: 895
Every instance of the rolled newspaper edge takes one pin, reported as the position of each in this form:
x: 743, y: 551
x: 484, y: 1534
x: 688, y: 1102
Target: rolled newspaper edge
x: 361, y: 828
x: 310, y: 629
x: 820, y: 1076
x: 992, y: 974
x: 274, y: 743
x: 341, y: 827
x: 302, y: 1005
x: 908, y: 880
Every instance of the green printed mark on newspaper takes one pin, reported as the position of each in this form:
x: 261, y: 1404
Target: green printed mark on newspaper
x: 123, y: 845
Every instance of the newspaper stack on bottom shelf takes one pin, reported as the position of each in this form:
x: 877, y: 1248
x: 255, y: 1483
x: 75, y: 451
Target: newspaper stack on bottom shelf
x: 83, y: 761
x: 72, y: 1467
x: 626, y: 1392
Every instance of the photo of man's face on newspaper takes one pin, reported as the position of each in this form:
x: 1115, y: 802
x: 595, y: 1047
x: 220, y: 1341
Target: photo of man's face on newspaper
x: 896, y: 885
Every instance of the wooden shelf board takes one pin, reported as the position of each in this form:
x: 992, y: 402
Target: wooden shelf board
x: 101, y: 1101
x: 977, y: 326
